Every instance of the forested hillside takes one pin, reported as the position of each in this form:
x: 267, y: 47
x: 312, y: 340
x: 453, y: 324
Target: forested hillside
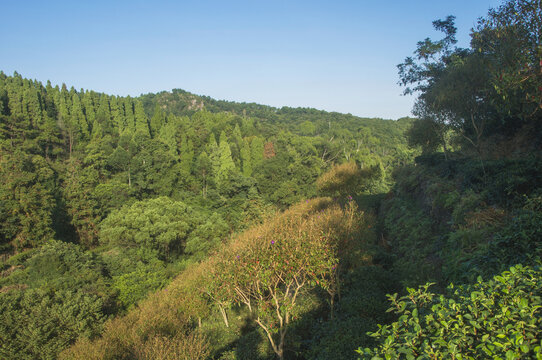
x: 107, y: 198
x: 176, y: 226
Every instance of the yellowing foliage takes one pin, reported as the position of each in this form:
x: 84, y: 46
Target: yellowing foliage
x: 153, y: 330
x: 339, y: 179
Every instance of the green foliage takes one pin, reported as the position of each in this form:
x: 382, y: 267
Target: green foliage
x: 27, y: 204
x: 51, y: 297
x: 38, y: 324
x: 361, y: 306
x: 135, y: 286
x: 498, y: 319
x: 409, y: 233
x: 59, y: 266
x: 162, y: 226
x: 493, y: 87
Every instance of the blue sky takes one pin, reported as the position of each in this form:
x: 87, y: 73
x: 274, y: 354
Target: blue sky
x: 332, y: 55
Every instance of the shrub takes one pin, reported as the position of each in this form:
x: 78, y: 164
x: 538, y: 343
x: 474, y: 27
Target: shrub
x: 268, y: 267
x: 497, y: 319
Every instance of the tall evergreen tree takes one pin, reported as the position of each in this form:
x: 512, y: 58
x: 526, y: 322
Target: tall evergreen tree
x: 203, y: 170
x: 246, y: 161
x: 141, y: 120
x: 256, y: 151
x: 157, y: 121
x: 79, y: 117
x: 129, y: 113
x: 225, y: 160
x: 168, y: 135
x: 214, y: 155
x: 187, y: 155
x: 117, y: 113
x: 103, y: 115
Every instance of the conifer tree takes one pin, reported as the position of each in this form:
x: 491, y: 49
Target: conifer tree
x: 88, y: 105
x: 129, y: 113
x: 141, y: 121
x: 78, y: 117
x: 256, y: 152
x: 67, y: 123
x: 203, y: 169
x: 214, y: 155
x: 187, y: 155
x: 246, y: 161
x: 32, y: 107
x: 168, y: 135
x: 103, y: 115
x: 236, y: 145
x: 226, y: 162
x: 157, y: 121
x: 117, y: 113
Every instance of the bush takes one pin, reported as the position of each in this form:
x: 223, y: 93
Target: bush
x: 497, y: 319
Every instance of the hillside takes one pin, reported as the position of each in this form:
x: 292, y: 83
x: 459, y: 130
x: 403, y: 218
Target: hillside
x: 175, y: 226
x: 105, y: 200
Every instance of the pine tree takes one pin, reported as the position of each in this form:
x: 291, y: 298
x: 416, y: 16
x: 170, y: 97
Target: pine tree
x: 67, y: 123
x: 117, y: 113
x: 256, y: 152
x: 32, y: 107
x: 157, y: 121
x: 79, y: 117
x: 236, y: 145
x: 168, y: 136
x: 187, y: 155
x: 103, y: 115
x: 141, y: 121
x: 246, y: 161
x: 129, y: 113
x: 214, y: 155
x: 226, y: 162
x: 88, y: 105
x: 203, y: 169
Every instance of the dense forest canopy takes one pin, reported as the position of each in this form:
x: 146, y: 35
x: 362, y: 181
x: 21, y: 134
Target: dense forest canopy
x: 176, y: 226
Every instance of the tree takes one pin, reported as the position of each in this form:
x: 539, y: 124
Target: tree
x: 451, y: 82
x: 204, y: 168
x: 225, y: 161
x: 162, y: 226
x: 246, y: 161
x: 27, y: 204
x: 141, y: 121
x: 270, y: 267
x: 187, y: 155
x: 509, y: 38
x: 493, y: 87
x: 256, y: 152
x: 157, y: 120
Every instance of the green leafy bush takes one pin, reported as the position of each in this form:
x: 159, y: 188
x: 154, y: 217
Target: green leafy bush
x: 497, y: 319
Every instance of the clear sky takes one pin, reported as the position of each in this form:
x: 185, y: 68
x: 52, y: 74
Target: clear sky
x: 333, y: 55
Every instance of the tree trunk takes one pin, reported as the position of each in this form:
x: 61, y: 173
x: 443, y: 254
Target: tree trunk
x: 224, y: 315
x: 332, y: 305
